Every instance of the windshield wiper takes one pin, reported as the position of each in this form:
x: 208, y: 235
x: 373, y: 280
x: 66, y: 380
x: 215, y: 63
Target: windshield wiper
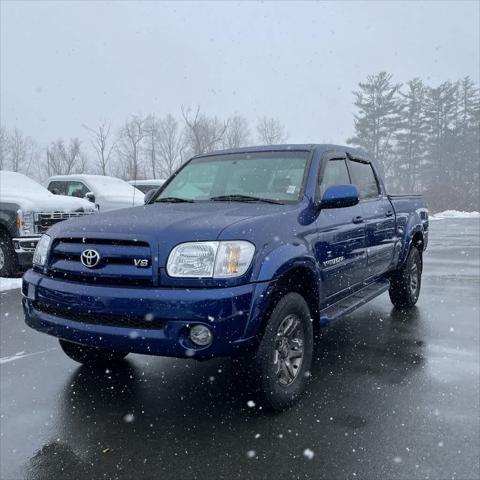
x: 174, y: 200
x: 243, y: 198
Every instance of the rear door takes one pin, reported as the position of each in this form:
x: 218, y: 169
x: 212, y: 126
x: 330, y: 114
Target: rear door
x: 340, y: 247
x: 378, y: 215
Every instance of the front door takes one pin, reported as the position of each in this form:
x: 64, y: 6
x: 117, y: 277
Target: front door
x: 340, y: 248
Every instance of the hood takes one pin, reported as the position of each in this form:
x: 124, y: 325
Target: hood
x: 170, y: 223
x: 48, y: 203
x: 124, y: 200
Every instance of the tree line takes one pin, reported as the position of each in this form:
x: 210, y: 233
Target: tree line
x: 424, y: 138
x: 145, y: 146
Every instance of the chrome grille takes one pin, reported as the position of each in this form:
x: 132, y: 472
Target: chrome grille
x: 116, y: 265
x: 44, y: 220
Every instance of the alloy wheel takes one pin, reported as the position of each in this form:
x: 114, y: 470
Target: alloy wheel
x: 289, y: 350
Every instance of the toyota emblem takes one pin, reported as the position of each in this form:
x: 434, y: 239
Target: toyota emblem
x: 90, y: 258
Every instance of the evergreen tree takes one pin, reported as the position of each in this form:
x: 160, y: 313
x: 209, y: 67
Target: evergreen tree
x: 377, y: 120
x: 412, y: 136
x: 441, y: 112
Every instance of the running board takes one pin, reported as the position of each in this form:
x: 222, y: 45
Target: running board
x: 352, y: 302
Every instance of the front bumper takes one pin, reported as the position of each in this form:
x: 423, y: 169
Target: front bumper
x: 228, y: 312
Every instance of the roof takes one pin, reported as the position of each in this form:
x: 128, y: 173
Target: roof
x: 78, y: 175
x: 294, y: 147
x: 152, y: 181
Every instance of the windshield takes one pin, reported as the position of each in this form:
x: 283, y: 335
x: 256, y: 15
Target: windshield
x: 276, y: 176
x: 146, y: 188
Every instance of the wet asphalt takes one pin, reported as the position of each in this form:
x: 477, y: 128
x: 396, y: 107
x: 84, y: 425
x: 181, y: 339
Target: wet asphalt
x: 392, y: 396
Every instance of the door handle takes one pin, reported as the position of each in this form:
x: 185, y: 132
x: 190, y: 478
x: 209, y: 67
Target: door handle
x: 389, y: 213
x: 357, y: 219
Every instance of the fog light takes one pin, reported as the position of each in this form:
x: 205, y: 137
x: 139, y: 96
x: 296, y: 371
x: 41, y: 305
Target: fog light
x: 200, y: 335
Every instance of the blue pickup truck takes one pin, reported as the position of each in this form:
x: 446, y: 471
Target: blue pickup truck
x: 245, y: 253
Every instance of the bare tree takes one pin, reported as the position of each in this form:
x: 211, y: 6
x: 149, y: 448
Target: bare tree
x: 270, y: 131
x: 3, y: 147
x: 171, y: 144
x: 129, y: 146
x: 65, y: 159
x: 203, y: 133
x: 101, y: 143
x: 237, y: 133
x: 152, y: 126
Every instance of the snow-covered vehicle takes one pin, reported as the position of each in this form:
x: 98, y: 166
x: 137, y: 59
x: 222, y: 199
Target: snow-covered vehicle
x: 108, y: 193
x: 27, y: 210
x: 147, y: 185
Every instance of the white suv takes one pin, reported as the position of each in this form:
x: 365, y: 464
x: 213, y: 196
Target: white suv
x: 108, y: 193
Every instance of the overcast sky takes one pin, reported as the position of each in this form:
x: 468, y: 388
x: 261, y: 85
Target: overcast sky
x: 64, y: 64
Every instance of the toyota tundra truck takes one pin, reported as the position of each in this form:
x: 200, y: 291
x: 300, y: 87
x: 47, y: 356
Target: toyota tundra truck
x: 245, y: 253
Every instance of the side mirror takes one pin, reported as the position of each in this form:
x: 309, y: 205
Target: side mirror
x: 338, y: 196
x: 149, y: 195
x: 90, y: 196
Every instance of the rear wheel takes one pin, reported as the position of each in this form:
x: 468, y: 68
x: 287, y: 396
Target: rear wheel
x: 406, y: 282
x: 8, y: 257
x: 280, y: 366
x: 91, y: 355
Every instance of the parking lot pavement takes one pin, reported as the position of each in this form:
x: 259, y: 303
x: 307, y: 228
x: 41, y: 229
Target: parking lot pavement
x: 391, y: 396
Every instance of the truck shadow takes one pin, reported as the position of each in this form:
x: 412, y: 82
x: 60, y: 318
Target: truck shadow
x: 159, y: 418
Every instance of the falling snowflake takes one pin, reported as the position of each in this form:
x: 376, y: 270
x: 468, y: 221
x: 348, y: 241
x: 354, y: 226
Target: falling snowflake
x: 129, y: 418
x: 307, y: 453
x: 251, y: 453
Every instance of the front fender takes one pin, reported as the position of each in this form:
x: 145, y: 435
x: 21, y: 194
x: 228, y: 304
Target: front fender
x: 284, y: 258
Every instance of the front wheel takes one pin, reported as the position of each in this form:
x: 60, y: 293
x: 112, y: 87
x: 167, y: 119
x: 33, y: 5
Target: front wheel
x: 8, y: 257
x: 91, y: 355
x: 406, y: 281
x: 281, y: 364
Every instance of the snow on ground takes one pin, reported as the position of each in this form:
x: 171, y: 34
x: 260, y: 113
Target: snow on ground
x: 454, y: 214
x: 9, y: 283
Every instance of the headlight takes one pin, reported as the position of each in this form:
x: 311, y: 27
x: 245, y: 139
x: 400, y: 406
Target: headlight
x: 25, y: 223
x: 41, y: 251
x: 210, y: 259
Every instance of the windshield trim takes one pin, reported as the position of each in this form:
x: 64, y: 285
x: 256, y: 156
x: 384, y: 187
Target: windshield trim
x: 308, y: 163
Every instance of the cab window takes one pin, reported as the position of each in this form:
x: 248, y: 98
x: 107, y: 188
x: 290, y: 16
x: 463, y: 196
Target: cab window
x: 335, y: 173
x: 57, y: 188
x: 76, y: 189
x: 364, y: 179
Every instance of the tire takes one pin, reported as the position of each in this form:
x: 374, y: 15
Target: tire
x: 281, y: 364
x: 406, y: 282
x: 8, y: 257
x: 92, y: 356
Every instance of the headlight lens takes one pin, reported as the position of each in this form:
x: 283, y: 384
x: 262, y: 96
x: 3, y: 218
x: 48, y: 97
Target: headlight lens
x: 41, y: 251
x: 25, y: 223
x: 210, y: 259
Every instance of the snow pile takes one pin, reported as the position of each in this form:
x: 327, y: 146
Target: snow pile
x: 454, y: 214
x: 9, y: 283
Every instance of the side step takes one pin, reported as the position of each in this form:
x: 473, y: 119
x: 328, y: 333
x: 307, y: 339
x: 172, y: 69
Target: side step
x: 352, y: 302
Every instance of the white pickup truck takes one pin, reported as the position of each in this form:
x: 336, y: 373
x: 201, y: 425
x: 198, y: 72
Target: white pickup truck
x: 108, y: 193
x: 27, y: 210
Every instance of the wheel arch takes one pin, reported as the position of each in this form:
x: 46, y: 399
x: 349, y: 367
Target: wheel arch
x: 299, y: 278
